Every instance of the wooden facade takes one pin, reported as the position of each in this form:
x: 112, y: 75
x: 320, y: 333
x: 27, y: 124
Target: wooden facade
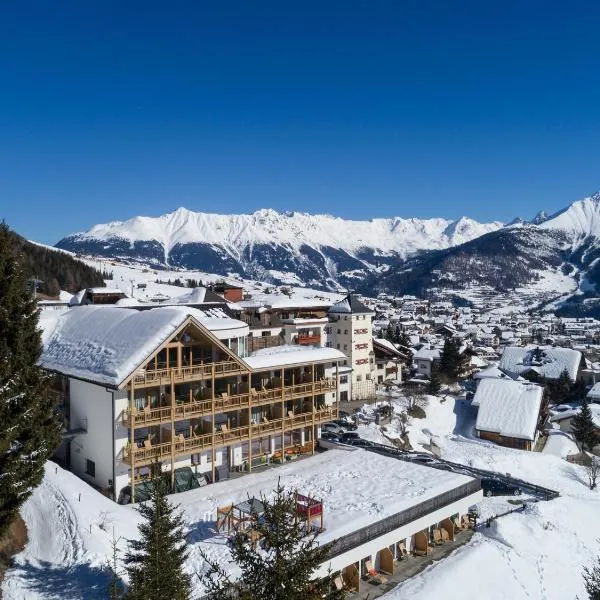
x: 194, y: 395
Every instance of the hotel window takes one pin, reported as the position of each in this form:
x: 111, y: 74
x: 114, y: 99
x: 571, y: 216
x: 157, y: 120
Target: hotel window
x: 90, y: 467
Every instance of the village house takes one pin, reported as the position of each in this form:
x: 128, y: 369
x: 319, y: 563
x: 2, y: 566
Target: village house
x: 508, y: 412
x: 546, y: 361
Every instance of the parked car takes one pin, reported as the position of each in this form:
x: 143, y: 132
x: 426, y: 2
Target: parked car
x: 329, y: 435
x: 349, y: 436
x: 345, y: 424
x: 332, y: 427
x: 423, y: 458
x: 497, y: 487
x: 561, y: 408
x: 344, y: 414
x: 360, y: 443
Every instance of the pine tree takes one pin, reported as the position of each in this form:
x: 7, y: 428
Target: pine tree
x: 282, y: 567
x: 154, y: 563
x: 435, y: 383
x: 451, y: 361
x: 584, y: 430
x: 30, y: 428
x: 591, y: 578
x: 560, y: 389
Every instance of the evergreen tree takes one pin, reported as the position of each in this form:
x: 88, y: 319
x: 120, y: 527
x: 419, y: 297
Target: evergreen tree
x: 282, y: 567
x: 30, y: 427
x: 154, y: 563
x: 584, y: 430
x: 435, y: 383
x: 560, y: 390
x: 404, y: 339
x: 389, y: 333
x: 451, y: 361
x: 591, y: 578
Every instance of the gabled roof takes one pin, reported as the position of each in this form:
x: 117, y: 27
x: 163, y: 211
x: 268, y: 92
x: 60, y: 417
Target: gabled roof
x: 105, y: 344
x: 548, y: 361
x: 508, y: 407
x: 386, y: 347
x: 350, y: 305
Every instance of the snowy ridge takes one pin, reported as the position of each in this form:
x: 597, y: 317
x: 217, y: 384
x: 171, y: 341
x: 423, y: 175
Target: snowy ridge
x: 580, y: 219
x: 293, y: 228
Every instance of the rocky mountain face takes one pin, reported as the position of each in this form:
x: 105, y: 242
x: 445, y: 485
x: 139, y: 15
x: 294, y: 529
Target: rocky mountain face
x: 296, y: 248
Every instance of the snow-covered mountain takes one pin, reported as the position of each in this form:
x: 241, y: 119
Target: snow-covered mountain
x: 292, y: 247
x: 549, y: 259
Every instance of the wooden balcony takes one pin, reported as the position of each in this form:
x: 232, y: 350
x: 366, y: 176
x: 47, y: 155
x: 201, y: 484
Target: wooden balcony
x: 223, y: 403
x: 308, y: 340
x: 149, y: 453
x: 182, y: 446
x: 146, y: 377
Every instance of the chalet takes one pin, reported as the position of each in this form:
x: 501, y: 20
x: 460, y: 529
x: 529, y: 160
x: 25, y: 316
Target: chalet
x: 231, y: 293
x: 424, y: 359
x: 508, y: 412
x: 176, y: 387
x: 100, y: 295
x: 564, y: 421
x: 388, y: 361
x: 545, y: 361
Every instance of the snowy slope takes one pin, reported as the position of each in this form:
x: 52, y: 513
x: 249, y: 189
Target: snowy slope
x: 277, y: 247
x: 537, y: 554
x: 580, y: 219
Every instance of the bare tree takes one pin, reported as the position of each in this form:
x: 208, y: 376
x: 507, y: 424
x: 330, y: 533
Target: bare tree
x: 413, y: 399
x: 403, y: 424
x: 592, y: 470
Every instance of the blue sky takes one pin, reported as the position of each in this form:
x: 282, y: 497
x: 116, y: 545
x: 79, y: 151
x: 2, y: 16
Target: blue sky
x: 110, y: 109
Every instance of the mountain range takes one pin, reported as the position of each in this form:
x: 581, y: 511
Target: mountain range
x: 558, y: 255
x: 292, y: 247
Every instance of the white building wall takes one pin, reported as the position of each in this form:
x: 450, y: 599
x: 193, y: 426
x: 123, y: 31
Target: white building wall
x: 91, y: 407
x: 402, y: 533
x: 352, y: 334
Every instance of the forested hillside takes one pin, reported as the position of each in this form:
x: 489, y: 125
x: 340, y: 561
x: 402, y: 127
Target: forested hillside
x: 56, y: 270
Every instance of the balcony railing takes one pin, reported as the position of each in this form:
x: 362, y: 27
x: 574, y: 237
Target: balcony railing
x: 223, y: 403
x: 308, y: 340
x: 179, y: 375
x: 182, y: 446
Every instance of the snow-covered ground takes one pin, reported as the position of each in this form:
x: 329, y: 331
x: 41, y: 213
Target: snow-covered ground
x: 536, y: 554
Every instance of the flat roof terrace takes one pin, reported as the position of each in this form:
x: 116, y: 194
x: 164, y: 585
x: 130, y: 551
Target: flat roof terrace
x: 358, y: 488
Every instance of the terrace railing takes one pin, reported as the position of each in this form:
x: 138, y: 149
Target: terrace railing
x: 370, y: 532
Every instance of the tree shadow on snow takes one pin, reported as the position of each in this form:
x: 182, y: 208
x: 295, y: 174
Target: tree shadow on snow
x: 201, y: 531
x: 78, y: 582
x: 466, y: 415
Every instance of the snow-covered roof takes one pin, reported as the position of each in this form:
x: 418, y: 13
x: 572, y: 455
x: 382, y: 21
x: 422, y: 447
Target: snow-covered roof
x: 508, y: 407
x: 492, y: 372
x: 105, y: 344
x: 429, y: 354
x: 104, y: 290
x: 549, y: 362
x: 595, y: 391
x: 387, y: 345
x: 569, y: 414
x: 350, y: 304
x: 274, y: 301
x: 280, y: 356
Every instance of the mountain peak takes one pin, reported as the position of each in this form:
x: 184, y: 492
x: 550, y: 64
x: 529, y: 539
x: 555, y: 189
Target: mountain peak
x: 539, y: 218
